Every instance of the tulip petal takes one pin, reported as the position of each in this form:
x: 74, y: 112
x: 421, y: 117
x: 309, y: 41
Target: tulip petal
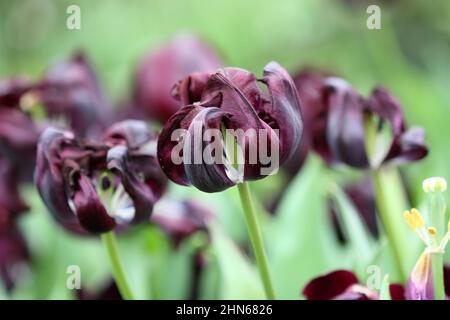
x: 345, y: 128
x: 283, y: 109
x: 190, y: 89
x: 420, y: 283
x: 208, y: 176
x: 133, y: 133
x: 407, y: 147
x: 48, y: 174
x: 167, y: 142
x: 388, y: 108
x: 142, y: 196
x: 89, y: 209
x: 330, y: 285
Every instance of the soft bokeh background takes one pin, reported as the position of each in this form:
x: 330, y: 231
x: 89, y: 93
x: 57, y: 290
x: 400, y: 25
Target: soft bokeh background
x: 410, y: 55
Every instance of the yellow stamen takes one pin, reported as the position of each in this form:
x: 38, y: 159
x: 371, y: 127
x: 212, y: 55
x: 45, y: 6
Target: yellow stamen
x: 410, y: 219
x: 418, y: 219
x: 432, y: 231
x: 448, y: 226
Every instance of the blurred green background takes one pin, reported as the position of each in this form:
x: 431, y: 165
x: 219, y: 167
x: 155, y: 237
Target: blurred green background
x: 410, y: 55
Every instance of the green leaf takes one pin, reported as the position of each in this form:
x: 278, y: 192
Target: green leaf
x: 301, y: 244
x: 361, y: 244
x: 240, y: 279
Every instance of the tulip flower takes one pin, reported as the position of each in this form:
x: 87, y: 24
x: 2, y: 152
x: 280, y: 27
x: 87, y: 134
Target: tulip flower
x: 363, y: 133
x: 192, y: 149
x: 160, y: 70
x: 69, y: 91
x: 338, y: 123
x: 99, y: 185
x: 232, y: 99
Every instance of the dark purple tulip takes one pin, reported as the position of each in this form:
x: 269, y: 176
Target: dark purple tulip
x: 231, y: 99
x: 181, y: 219
x: 345, y: 130
x: 160, y: 70
x: 70, y: 90
x: 336, y: 116
x: 99, y: 185
x: 338, y: 285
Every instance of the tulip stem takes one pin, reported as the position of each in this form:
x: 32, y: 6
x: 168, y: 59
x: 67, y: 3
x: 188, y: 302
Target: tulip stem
x: 254, y: 231
x: 390, y: 215
x: 437, y: 265
x: 110, y: 243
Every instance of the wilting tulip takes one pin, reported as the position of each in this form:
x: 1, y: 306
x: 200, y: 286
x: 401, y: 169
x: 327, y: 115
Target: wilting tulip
x: 99, y: 185
x: 338, y: 123
x: 232, y: 100
x: 160, y: 70
x: 70, y: 92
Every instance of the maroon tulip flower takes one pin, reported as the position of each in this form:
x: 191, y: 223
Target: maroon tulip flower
x: 231, y: 100
x: 160, y: 70
x: 70, y: 92
x: 338, y: 116
x: 99, y: 185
